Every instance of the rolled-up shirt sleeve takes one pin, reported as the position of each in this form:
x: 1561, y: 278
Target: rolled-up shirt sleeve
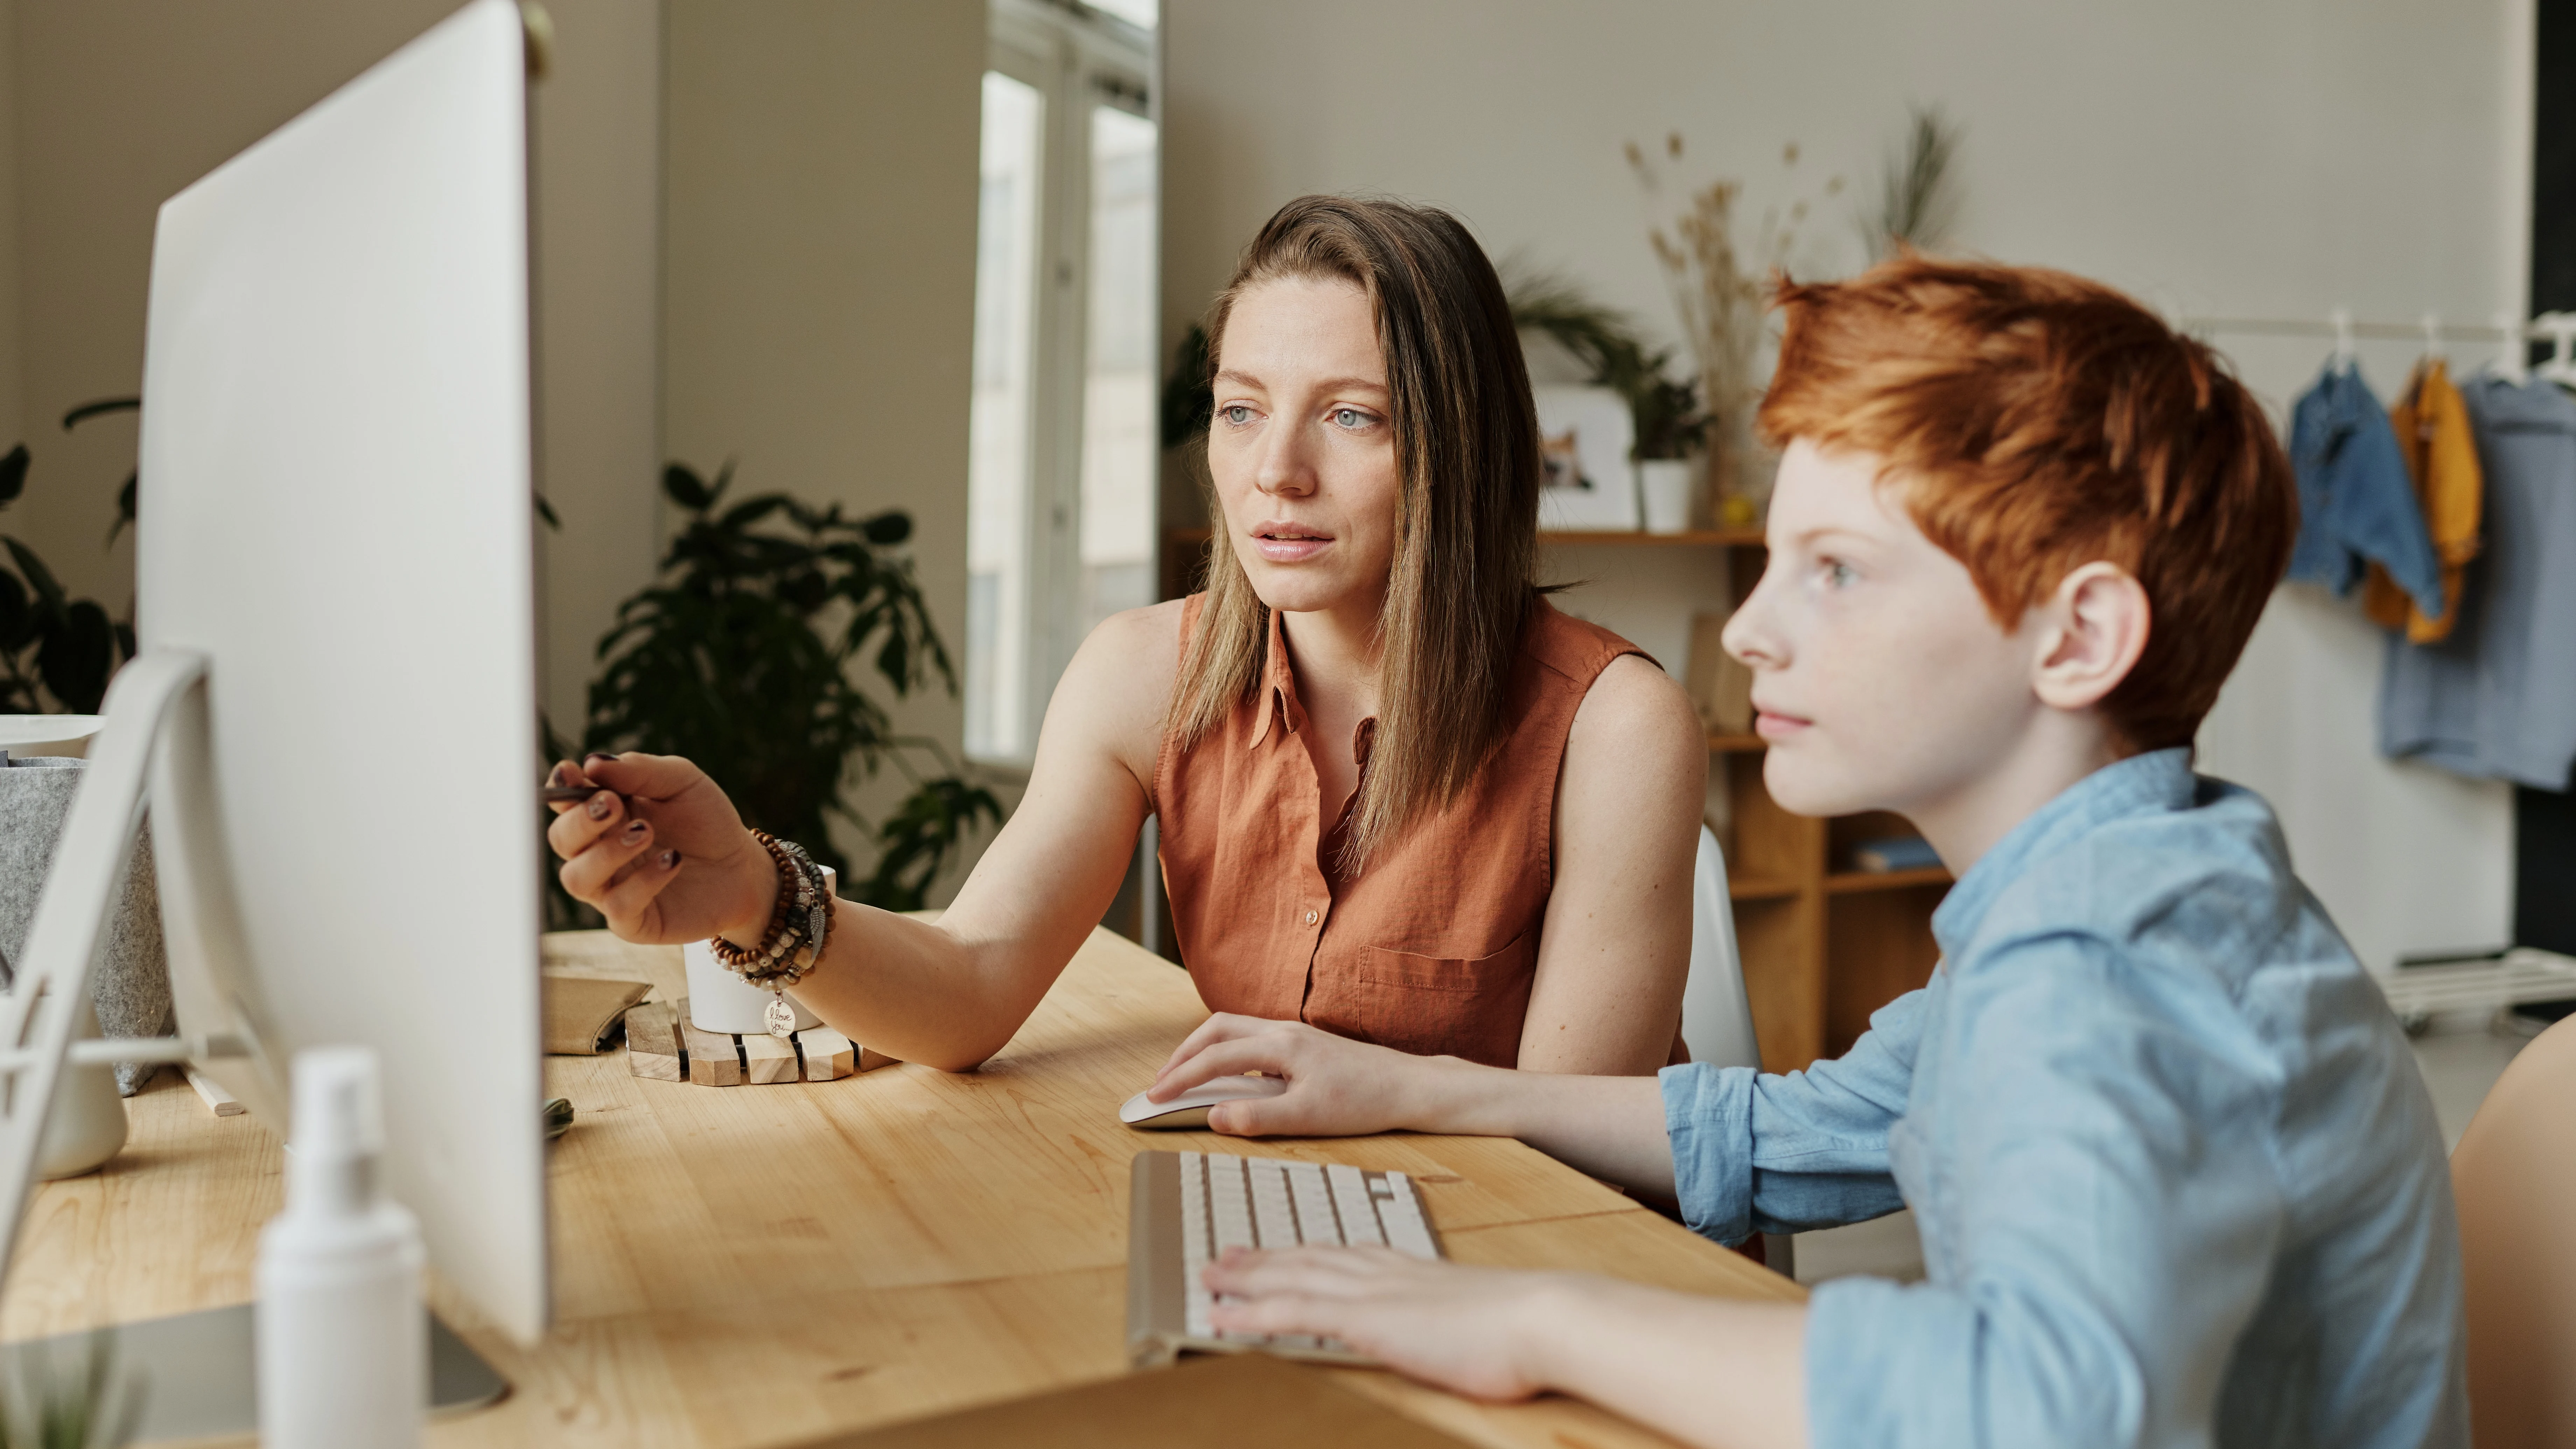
x: 2116, y: 1214
x: 1782, y: 1154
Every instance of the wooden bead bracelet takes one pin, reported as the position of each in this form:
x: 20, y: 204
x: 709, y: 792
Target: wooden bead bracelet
x: 800, y: 921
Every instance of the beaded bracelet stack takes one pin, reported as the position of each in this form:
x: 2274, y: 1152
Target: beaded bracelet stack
x: 799, y: 924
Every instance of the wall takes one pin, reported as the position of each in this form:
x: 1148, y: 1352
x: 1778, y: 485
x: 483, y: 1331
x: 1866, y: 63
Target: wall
x: 113, y: 107
x: 819, y: 281
x: 598, y: 140
x: 2218, y: 158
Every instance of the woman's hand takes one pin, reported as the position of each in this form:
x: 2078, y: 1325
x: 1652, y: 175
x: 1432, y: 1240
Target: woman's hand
x: 1472, y: 1331
x: 660, y: 851
x: 1336, y: 1087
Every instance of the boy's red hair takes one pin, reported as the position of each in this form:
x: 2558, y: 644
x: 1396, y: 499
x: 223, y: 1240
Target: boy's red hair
x: 2039, y: 422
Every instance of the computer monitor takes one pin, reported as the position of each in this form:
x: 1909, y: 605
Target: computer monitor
x: 335, y: 701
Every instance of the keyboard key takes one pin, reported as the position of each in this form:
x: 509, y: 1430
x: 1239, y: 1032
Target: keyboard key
x: 1229, y: 1206
x: 1194, y: 1243
x: 1316, y: 1222
x: 1272, y: 1213
x: 1351, y: 1196
x: 1406, y: 1232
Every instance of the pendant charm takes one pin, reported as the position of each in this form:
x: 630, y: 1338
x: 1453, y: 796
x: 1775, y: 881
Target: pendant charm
x: 780, y: 1016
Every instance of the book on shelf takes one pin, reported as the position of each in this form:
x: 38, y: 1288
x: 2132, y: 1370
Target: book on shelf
x: 1893, y: 853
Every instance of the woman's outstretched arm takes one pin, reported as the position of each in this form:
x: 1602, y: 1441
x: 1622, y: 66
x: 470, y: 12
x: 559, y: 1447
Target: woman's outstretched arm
x: 666, y: 859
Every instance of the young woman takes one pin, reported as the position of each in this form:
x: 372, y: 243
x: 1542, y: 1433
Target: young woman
x: 1402, y: 797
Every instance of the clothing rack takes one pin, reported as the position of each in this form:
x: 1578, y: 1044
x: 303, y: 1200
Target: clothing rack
x: 2512, y: 333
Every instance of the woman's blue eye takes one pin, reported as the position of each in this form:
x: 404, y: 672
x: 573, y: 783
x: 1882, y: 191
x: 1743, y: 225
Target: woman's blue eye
x: 1350, y: 418
x: 1236, y: 414
x: 1838, y: 573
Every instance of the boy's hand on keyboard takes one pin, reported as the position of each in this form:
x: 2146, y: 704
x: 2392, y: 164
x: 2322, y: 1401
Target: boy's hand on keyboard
x: 1336, y: 1087
x: 1468, y: 1330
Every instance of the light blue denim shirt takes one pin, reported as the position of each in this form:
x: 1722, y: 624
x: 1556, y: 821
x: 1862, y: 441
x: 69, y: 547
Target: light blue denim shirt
x: 2176, y: 1174
x: 2357, y: 502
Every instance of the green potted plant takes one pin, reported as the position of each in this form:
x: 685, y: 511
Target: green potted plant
x: 1670, y: 426
x: 743, y: 655
x: 56, y: 652
x: 89, y: 1402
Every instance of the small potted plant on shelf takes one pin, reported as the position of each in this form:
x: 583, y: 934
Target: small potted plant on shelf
x: 1670, y: 426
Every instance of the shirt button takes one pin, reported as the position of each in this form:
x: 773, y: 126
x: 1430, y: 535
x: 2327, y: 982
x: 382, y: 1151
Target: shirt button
x: 1310, y: 918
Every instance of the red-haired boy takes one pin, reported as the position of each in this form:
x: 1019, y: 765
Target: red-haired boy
x: 2177, y: 1178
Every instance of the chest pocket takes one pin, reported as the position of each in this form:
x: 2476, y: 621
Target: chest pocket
x: 1470, y: 1007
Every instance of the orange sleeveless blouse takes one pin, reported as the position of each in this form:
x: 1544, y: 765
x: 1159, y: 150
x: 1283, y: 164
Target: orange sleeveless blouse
x: 1433, y: 947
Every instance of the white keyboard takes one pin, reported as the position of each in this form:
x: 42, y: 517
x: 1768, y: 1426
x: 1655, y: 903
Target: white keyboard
x: 1190, y: 1207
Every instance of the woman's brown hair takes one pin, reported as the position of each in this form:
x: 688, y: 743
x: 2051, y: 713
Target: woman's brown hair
x: 1466, y: 553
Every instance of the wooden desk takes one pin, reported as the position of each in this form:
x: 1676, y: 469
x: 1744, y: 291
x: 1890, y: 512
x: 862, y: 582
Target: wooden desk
x: 762, y: 1264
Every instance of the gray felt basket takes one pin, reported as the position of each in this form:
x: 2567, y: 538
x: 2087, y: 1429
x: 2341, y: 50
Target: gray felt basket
x: 131, y: 985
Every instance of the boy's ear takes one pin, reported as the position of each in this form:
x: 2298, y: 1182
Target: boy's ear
x: 2093, y: 629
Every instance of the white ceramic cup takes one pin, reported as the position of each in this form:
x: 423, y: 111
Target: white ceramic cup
x: 1665, y: 485
x: 721, y: 1001
x: 48, y: 736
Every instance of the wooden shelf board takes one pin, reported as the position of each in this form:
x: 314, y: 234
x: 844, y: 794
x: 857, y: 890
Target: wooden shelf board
x: 1737, y: 744
x: 1843, y: 883
x: 1697, y: 538
x: 1760, y: 888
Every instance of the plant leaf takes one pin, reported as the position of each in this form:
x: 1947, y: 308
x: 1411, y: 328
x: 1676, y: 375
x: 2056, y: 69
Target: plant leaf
x: 888, y: 528
x: 684, y: 487
x: 13, y: 475
x: 125, y: 501
x: 49, y: 594
x: 100, y: 408
x: 77, y: 655
x: 17, y: 616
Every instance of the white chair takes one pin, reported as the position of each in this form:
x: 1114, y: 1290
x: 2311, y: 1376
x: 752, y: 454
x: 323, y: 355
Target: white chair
x: 1717, y: 1020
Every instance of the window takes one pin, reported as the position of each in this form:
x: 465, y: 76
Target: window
x: 1064, y: 458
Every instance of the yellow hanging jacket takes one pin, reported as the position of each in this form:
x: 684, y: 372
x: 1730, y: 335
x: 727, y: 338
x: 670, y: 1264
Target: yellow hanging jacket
x: 2432, y: 427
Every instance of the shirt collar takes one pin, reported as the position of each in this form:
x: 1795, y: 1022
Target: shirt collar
x: 1278, y: 685
x: 2156, y: 780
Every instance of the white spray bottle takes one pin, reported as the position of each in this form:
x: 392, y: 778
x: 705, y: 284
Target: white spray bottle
x: 343, y: 1337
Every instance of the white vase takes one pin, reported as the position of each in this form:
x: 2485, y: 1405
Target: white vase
x: 721, y: 1001
x: 1665, y: 485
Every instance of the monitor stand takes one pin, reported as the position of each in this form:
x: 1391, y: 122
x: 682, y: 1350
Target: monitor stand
x: 197, y: 1368
x: 198, y: 1378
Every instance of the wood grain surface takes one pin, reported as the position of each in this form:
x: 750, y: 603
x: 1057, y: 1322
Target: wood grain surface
x: 763, y: 1266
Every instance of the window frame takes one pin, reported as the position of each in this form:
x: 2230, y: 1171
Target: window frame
x: 1075, y: 58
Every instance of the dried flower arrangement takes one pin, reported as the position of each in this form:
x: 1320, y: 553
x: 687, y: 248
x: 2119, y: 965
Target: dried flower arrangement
x: 1918, y: 188
x: 1718, y: 290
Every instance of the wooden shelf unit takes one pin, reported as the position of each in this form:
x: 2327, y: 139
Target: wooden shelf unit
x: 1824, y: 945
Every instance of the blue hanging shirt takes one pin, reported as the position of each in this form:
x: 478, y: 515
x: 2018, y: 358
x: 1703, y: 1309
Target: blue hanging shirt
x: 2497, y: 699
x: 2177, y: 1176
x: 2356, y: 500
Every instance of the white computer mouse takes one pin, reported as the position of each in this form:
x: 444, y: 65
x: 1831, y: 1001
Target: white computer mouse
x: 1190, y: 1108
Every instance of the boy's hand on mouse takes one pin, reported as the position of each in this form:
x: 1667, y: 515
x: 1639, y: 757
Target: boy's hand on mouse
x: 1336, y: 1087
x: 660, y: 851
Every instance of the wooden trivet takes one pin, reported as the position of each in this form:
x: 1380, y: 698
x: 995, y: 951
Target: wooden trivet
x: 661, y: 1043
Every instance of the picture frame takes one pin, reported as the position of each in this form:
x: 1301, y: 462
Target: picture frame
x: 1585, y: 435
